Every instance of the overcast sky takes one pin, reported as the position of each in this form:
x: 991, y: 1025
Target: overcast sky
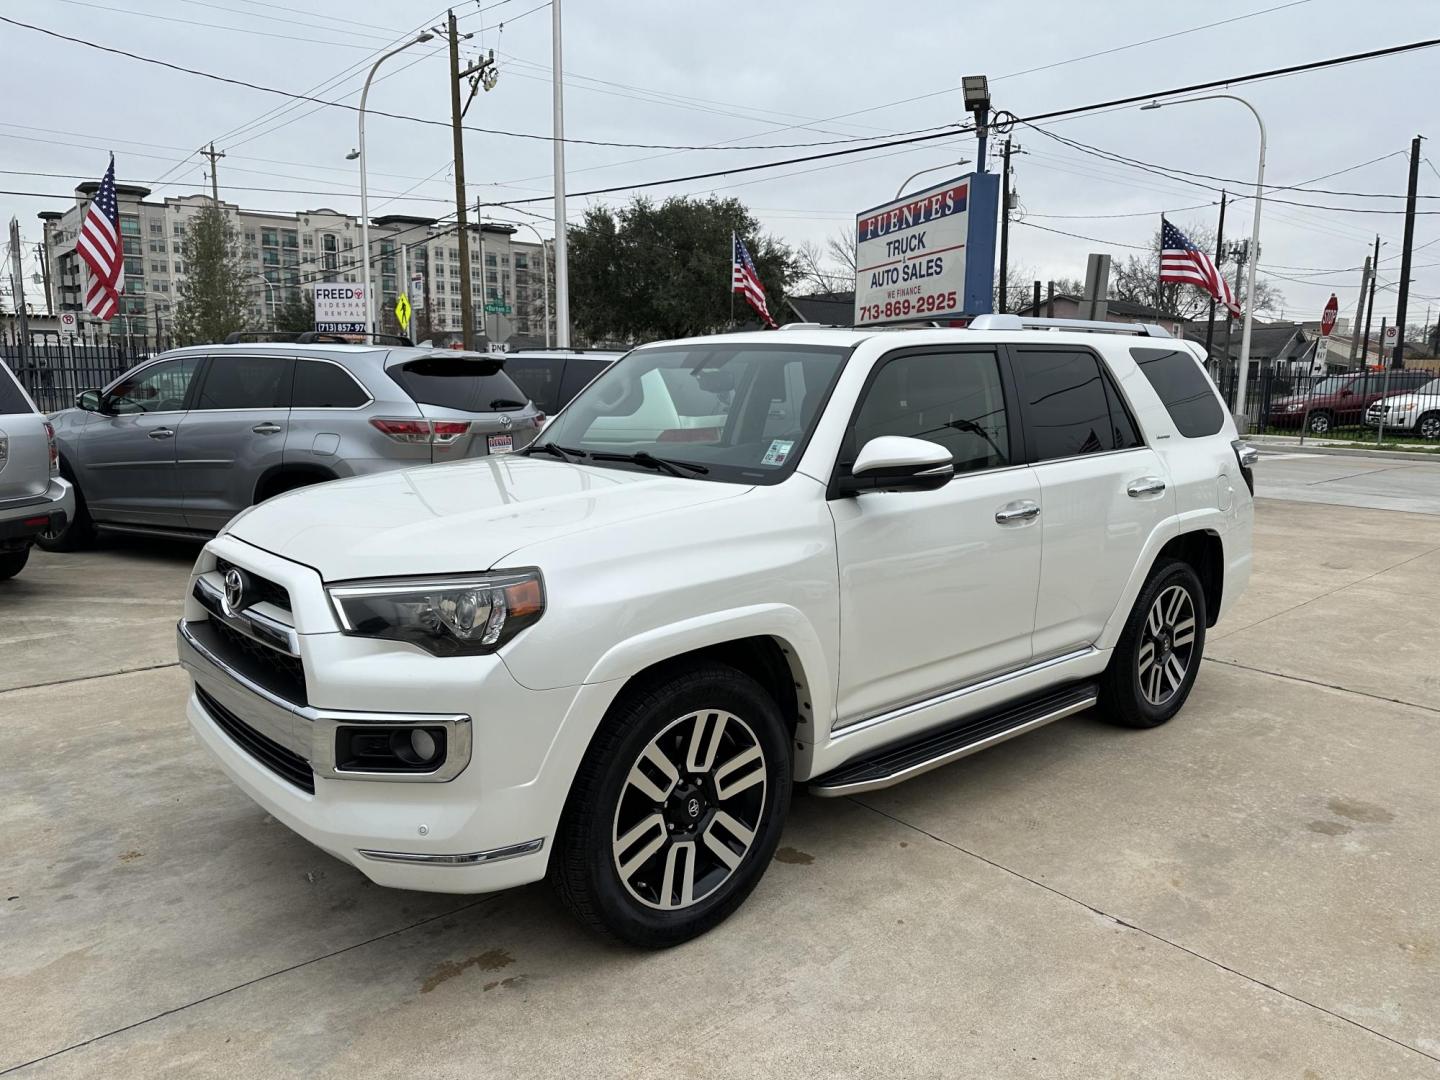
x: 751, y: 73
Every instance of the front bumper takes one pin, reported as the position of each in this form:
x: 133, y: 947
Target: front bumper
x: 23, y: 519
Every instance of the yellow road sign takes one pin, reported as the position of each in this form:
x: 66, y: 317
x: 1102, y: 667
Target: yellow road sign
x: 402, y: 312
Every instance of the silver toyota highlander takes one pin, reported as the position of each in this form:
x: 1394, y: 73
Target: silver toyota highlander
x: 33, y: 498
x: 184, y: 442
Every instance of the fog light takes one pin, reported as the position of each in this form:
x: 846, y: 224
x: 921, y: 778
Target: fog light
x: 422, y: 744
x: 389, y: 749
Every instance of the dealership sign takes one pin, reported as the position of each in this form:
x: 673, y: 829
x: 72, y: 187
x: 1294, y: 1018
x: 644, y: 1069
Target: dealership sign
x: 928, y: 256
x: 339, y: 308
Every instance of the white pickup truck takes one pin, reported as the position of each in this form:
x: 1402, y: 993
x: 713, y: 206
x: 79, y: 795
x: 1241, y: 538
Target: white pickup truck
x: 732, y: 564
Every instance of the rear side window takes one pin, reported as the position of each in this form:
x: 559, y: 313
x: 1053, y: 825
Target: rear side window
x: 538, y: 378
x: 1067, y: 405
x: 245, y: 382
x: 578, y: 374
x: 1184, y: 388
x: 458, y: 382
x: 11, y: 399
x: 319, y: 385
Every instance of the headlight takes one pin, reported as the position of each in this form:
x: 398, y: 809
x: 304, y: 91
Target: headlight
x: 1406, y: 406
x: 449, y: 616
x: 1297, y: 406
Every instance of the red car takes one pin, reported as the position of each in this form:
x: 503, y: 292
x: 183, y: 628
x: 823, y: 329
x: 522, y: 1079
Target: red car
x: 1341, y: 400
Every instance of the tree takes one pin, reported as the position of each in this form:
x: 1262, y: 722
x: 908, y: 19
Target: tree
x: 214, y: 300
x: 1137, y: 279
x: 297, y: 314
x: 648, y: 271
x: 828, y: 266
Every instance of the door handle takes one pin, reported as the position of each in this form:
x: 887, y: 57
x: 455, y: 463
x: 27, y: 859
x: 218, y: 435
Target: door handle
x: 266, y: 429
x: 1017, y: 512
x: 1146, y: 485
x: 161, y: 433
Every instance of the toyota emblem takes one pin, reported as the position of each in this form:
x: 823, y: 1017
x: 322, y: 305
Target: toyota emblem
x: 234, y: 591
x: 504, y: 421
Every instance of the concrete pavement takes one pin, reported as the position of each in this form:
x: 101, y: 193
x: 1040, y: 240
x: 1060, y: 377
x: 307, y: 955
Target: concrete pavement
x: 1382, y: 483
x: 1246, y: 892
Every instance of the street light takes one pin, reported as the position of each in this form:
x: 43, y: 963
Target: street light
x: 269, y: 285
x: 976, y: 89
x: 359, y: 154
x: 1244, y: 373
x: 934, y: 168
x: 545, y: 267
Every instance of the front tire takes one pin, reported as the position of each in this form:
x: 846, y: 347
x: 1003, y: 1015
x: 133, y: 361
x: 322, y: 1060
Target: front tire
x: 1320, y: 423
x: 677, y: 807
x: 1158, y: 655
x: 1428, y: 426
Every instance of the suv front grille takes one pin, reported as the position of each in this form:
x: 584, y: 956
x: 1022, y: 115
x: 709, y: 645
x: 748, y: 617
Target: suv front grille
x: 265, y: 590
x: 283, y: 762
x: 278, y: 672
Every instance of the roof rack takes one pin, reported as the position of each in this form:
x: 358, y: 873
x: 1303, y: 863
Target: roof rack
x: 1089, y: 326
x: 310, y: 337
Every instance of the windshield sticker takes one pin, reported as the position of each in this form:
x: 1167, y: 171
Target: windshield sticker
x: 778, y: 452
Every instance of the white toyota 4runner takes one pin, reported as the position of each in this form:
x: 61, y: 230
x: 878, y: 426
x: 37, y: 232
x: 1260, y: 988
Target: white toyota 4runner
x: 731, y: 564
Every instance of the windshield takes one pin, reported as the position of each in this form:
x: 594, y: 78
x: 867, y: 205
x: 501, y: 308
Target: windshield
x: 1331, y: 385
x: 1431, y: 388
x: 741, y: 413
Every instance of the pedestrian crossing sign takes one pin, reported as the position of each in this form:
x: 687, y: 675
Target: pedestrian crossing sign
x: 402, y: 312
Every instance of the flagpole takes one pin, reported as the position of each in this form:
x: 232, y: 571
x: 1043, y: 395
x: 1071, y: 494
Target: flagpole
x: 732, y: 280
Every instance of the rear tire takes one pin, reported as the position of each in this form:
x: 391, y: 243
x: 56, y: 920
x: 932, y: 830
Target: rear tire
x: 12, y: 562
x: 76, y: 534
x: 1158, y: 656
x: 677, y: 807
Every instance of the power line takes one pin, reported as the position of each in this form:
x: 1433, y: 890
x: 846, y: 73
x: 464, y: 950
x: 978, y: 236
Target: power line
x: 417, y: 119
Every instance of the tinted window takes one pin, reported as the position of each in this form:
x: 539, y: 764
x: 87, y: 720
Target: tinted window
x: 1122, y: 424
x: 11, y: 399
x: 953, y: 399
x: 459, y: 382
x: 1066, y: 409
x: 244, y: 382
x: 1184, y: 388
x: 538, y: 378
x: 319, y: 385
x: 158, y: 388
x: 578, y: 374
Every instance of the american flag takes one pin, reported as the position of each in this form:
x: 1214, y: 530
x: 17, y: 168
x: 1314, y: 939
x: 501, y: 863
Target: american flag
x: 745, y: 280
x: 99, y: 247
x: 1182, y: 263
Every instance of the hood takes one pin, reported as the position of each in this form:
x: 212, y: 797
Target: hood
x: 467, y: 516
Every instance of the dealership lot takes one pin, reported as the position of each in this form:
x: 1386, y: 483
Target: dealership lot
x: 1249, y: 891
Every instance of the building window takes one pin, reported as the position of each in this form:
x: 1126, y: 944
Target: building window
x: 522, y: 262
x: 489, y: 258
x: 270, y: 237
x: 157, y: 228
x: 157, y: 247
x: 135, y: 267
x: 129, y: 225
x: 179, y: 267
x: 290, y: 238
x: 308, y: 241
x: 157, y: 267
x: 505, y: 260
x: 179, y: 230
x: 130, y: 246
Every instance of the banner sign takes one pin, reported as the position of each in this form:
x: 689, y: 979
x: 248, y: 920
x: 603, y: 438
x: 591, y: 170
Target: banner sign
x: 928, y: 256
x: 339, y: 309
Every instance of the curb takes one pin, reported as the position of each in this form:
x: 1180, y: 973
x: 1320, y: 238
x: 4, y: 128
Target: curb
x: 1282, y: 442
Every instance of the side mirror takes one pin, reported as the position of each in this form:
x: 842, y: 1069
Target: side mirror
x: 898, y: 463
x: 1347, y: 393
x: 89, y: 400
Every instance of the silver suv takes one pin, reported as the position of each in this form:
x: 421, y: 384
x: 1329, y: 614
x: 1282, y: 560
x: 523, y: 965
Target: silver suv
x: 183, y: 443
x: 33, y: 498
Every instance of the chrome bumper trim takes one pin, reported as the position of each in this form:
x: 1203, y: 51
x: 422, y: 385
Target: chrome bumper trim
x: 475, y: 858
x: 310, y: 732
x: 258, y: 627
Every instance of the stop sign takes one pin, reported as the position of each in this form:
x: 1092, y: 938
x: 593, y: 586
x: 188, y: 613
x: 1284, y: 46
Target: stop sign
x: 1327, y: 320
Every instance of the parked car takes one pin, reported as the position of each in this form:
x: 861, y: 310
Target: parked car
x: 1417, y: 411
x: 33, y: 497
x: 1340, y: 400
x: 733, y: 563
x: 183, y: 443
x: 551, y: 377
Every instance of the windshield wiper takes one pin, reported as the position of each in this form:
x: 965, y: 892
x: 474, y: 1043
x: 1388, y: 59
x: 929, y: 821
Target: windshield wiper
x: 564, y: 453
x: 650, y: 461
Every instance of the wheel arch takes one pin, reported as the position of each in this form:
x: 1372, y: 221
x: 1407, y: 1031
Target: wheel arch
x: 1204, y: 551
x: 271, y: 480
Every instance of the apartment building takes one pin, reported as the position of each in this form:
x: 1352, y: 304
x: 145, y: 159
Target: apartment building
x: 283, y: 253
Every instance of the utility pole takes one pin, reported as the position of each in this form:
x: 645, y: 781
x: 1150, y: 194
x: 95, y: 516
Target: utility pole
x: 1238, y: 251
x: 1219, y: 258
x: 1359, y: 311
x: 1370, y: 303
x: 1050, y: 300
x: 214, y: 156
x: 1398, y: 360
x: 43, y: 254
x: 467, y: 310
x: 1004, y: 221
x: 17, y: 289
x: 562, y: 256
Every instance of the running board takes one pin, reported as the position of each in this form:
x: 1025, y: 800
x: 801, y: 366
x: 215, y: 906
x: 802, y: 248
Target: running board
x: 890, y: 765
